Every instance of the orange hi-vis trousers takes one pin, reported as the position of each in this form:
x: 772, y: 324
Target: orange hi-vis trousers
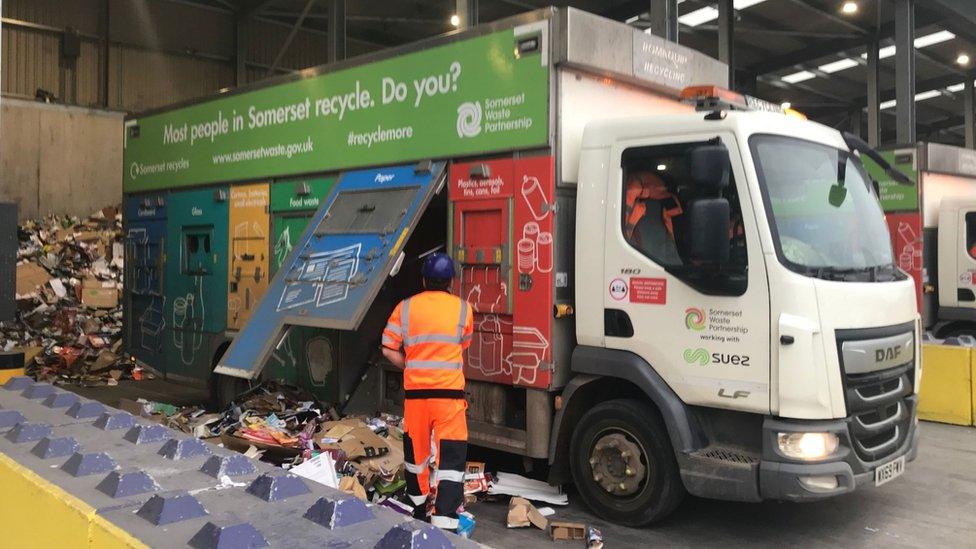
x: 445, y: 418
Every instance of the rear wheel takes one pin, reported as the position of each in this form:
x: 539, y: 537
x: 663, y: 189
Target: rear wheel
x: 224, y: 389
x: 623, y: 464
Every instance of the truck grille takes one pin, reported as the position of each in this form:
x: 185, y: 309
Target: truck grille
x: 880, y: 410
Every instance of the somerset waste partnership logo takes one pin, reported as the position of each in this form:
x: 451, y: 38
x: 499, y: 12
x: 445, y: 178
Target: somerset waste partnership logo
x: 469, y: 119
x: 694, y: 319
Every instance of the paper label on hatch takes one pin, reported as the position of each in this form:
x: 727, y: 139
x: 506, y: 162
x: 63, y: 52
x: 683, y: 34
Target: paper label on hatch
x: 889, y: 471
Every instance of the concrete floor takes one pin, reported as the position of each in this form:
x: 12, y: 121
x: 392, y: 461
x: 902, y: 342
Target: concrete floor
x: 932, y: 505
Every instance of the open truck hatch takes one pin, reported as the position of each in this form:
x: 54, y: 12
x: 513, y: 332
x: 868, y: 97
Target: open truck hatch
x: 337, y: 267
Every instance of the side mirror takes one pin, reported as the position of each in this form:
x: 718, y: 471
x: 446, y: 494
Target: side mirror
x: 708, y: 230
x: 837, y: 195
x: 709, y: 168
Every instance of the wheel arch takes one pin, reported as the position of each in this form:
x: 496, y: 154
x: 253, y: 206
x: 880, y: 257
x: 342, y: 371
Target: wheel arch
x: 606, y: 374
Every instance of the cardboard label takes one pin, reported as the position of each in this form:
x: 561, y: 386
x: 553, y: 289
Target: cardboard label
x: 651, y: 291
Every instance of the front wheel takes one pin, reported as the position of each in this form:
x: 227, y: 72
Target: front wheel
x: 623, y: 464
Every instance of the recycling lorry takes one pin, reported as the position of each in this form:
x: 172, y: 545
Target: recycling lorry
x: 676, y: 290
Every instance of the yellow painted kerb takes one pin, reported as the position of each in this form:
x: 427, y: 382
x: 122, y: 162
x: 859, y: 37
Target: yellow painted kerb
x: 37, y: 513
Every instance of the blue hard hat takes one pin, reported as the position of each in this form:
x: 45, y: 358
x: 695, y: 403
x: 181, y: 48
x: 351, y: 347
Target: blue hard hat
x: 438, y: 266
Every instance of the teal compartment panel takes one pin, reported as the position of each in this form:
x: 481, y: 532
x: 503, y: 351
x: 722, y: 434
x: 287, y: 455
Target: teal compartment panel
x: 196, y: 279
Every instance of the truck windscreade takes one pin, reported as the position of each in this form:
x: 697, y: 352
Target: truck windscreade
x: 674, y: 289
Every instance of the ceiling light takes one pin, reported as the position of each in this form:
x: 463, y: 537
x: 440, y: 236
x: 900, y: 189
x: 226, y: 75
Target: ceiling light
x: 455, y: 20
x: 934, y: 38
x: 920, y: 42
x: 633, y: 19
x: 849, y: 8
x: 708, y: 13
x: 662, y: 167
x: 838, y: 65
x: 699, y: 16
x: 887, y: 104
x: 956, y: 88
x: 797, y: 77
x: 962, y: 59
x: 786, y: 105
x: 927, y: 95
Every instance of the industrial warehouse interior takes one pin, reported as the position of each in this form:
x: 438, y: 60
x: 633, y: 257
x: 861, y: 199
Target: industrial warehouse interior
x: 452, y: 273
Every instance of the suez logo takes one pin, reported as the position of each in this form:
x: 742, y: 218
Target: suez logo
x: 704, y: 357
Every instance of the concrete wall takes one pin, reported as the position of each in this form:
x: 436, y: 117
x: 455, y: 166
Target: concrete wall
x: 158, y: 52
x: 59, y: 159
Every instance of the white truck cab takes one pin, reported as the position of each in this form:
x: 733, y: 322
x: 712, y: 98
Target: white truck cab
x: 773, y: 311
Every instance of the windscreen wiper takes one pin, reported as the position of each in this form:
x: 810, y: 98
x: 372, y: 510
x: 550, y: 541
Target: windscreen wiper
x: 858, y: 144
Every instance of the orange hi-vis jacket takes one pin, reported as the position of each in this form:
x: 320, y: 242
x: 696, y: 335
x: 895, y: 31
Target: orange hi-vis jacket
x: 433, y: 328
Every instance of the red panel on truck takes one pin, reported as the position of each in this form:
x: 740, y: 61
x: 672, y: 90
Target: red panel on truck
x: 481, y: 206
x: 906, y: 241
x: 531, y: 357
x: 502, y: 240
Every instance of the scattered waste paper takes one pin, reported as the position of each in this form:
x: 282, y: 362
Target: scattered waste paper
x: 68, y: 322
x: 516, y: 485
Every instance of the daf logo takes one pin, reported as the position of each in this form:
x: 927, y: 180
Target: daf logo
x: 888, y: 353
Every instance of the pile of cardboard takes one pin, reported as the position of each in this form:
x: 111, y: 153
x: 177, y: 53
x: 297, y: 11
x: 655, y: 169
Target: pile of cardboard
x: 69, y: 321
x: 289, y: 427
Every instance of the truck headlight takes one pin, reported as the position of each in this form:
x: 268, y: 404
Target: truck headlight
x: 807, y: 446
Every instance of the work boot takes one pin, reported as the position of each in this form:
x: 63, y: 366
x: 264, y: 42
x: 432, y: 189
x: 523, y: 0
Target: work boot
x: 420, y: 513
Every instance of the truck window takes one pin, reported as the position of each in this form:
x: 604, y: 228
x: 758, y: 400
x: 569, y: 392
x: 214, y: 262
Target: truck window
x: 971, y: 234
x: 656, y: 187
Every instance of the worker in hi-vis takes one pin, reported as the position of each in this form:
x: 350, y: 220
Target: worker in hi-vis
x: 426, y: 336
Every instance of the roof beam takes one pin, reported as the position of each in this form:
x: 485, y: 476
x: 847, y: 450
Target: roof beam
x: 823, y: 48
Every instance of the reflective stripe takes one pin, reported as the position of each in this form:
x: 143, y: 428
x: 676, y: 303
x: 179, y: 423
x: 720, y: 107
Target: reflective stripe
x: 433, y: 365
x: 430, y: 338
x: 387, y: 340
x: 394, y: 328
x: 413, y: 468
x: 444, y: 523
x: 461, y: 319
x: 417, y: 500
x: 405, y: 317
x: 447, y: 474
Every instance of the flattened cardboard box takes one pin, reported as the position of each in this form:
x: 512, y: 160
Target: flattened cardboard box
x: 29, y: 277
x: 99, y: 295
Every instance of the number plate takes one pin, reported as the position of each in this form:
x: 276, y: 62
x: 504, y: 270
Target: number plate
x: 888, y: 471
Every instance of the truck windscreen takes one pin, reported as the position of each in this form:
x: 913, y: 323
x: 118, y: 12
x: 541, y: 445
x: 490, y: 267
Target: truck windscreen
x: 825, y: 220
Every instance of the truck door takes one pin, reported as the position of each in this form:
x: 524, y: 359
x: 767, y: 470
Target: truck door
x: 247, y: 275
x: 196, y: 280
x: 145, y: 232
x: 965, y: 253
x: 502, y: 239
x: 332, y: 277
x: 305, y: 356
x: 704, y: 329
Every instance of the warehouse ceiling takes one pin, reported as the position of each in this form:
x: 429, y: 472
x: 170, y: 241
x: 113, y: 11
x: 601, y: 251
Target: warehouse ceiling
x: 809, y: 53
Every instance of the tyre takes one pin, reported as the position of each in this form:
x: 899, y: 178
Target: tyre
x: 224, y: 389
x: 623, y: 464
